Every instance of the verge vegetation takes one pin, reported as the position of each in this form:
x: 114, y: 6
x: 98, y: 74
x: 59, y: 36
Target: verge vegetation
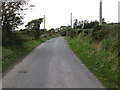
x: 98, y: 48
x: 17, y: 43
x: 11, y: 54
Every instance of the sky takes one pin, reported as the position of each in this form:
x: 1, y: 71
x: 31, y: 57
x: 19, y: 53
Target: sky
x: 57, y: 12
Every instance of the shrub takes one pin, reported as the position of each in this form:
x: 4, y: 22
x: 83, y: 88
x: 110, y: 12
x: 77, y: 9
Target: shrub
x: 79, y: 31
x: 86, y: 32
x: 72, y: 33
x: 13, y: 39
x: 97, y: 33
x: 63, y: 32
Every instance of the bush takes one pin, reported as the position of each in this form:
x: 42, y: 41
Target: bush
x: 72, y: 33
x: 63, y: 32
x: 97, y: 33
x: 11, y: 39
x: 79, y: 31
x: 86, y: 32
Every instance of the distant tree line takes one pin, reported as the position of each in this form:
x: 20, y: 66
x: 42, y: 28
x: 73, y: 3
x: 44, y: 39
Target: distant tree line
x: 86, y: 24
x: 80, y: 26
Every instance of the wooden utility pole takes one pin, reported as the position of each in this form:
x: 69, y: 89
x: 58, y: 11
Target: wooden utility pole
x: 71, y: 20
x: 100, y: 22
x: 119, y: 12
x: 0, y: 14
x: 44, y: 23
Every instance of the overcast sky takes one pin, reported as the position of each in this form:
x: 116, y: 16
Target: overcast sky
x: 58, y: 11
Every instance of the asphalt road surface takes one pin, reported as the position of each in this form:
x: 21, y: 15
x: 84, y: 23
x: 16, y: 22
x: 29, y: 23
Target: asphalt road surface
x: 51, y: 65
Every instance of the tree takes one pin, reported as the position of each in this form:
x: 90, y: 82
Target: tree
x: 34, y: 27
x: 75, y: 24
x: 10, y: 20
x: 80, y: 24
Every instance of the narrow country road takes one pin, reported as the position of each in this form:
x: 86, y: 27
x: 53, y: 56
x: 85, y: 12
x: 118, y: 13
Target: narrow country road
x: 51, y: 65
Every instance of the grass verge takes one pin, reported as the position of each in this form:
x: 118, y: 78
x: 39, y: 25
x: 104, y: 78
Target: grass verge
x: 11, y: 54
x: 103, y: 64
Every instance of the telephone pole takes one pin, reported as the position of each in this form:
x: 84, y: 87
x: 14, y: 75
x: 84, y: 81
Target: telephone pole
x: 44, y: 22
x: 71, y: 20
x: 100, y: 22
x: 0, y: 14
x: 119, y: 12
